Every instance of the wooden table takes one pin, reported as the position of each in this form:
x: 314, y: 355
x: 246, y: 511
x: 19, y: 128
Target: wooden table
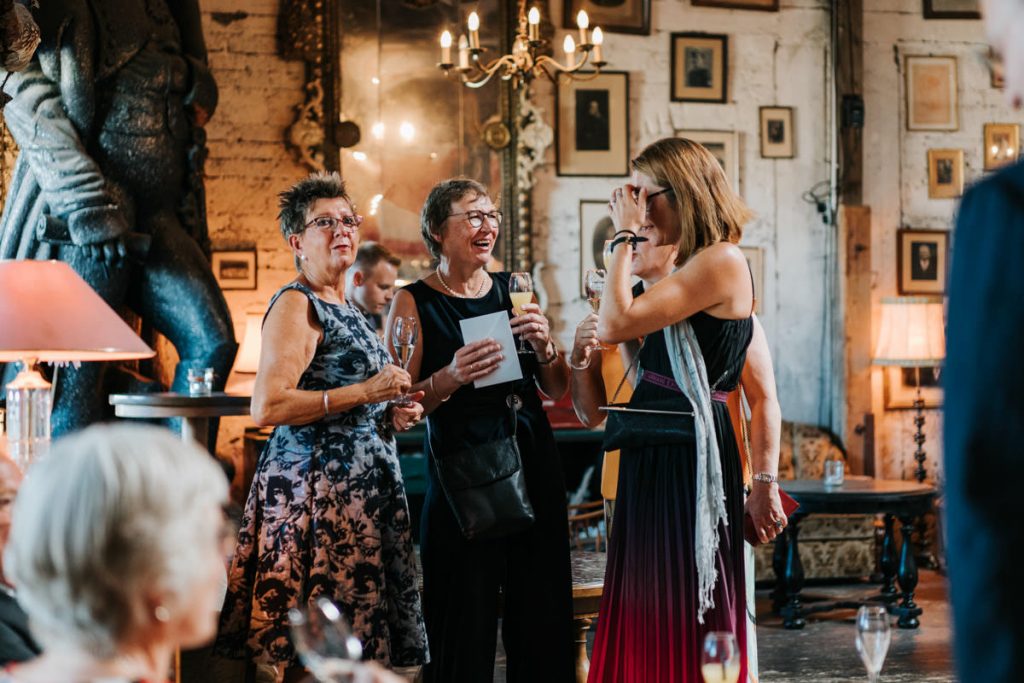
x: 895, y: 499
x: 195, y: 411
x: 587, y: 587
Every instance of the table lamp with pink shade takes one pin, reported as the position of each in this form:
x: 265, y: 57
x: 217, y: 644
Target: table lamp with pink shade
x: 48, y: 313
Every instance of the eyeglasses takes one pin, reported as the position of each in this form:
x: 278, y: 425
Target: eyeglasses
x: 650, y: 195
x: 330, y: 223
x: 476, y: 218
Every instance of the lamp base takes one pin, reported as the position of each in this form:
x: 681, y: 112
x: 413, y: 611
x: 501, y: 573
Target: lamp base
x: 28, y: 416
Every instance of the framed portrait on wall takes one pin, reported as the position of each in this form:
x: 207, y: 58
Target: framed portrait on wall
x: 595, y: 228
x: 700, y: 67
x: 945, y: 173
x: 777, y: 133
x: 764, y: 5
x: 617, y: 16
x: 755, y: 261
x: 932, y: 101
x: 592, y: 124
x: 900, y: 386
x: 724, y: 145
x: 234, y: 269
x: 922, y: 257
x: 1002, y: 144
x: 952, y: 9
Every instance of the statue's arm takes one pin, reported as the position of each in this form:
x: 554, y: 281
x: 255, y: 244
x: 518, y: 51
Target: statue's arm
x: 202, y: 93
x: 49, y: 117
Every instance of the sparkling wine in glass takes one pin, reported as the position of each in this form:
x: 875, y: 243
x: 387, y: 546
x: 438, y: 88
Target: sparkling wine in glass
x: 873, y: 636
x: 593, y: 285
x: 520, y: 287
x: 325, y: 643
x: 404, y: 332
x: 720, y: 660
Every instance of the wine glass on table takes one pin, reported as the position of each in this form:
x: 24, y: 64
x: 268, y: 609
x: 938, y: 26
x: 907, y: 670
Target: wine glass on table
x: 520, y: 287
x: 325, y: 644
x: 720, y: 660
x: 873, y: 636
x: 404, y: 333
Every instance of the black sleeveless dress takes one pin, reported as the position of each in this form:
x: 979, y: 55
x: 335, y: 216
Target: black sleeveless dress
x: 648, y: 629
x: 524, y: 578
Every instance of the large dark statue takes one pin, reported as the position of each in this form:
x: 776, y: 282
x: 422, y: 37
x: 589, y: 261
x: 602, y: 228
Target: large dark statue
x: 108, y: 116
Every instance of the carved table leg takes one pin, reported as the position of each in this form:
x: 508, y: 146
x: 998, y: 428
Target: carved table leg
x: 887, y: 562
x: 794, y: 578
x: 582, y: 625
x: 908, y: 576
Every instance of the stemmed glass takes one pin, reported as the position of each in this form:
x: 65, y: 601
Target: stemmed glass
x: 520, y: 287
x: 325, y: 643
x: 404, y: 333
x: 873, y: 636
x: 720, y: 660
x: 593, y: 285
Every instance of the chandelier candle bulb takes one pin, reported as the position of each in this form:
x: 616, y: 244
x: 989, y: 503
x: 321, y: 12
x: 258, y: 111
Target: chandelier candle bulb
x: 598, y: 38
x: 473, y: 23
x: 534, y: 25
x: 583, y: 21
x: 569, y: 46
x: 463, y: 52
x: 446, y: 48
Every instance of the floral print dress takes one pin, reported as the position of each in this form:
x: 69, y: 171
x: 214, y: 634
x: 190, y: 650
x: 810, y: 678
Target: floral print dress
x: 327, y: 516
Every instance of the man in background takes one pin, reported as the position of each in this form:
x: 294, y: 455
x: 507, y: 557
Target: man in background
x: 372, y: 281
x: 984, y: 411
x: 16, y: 644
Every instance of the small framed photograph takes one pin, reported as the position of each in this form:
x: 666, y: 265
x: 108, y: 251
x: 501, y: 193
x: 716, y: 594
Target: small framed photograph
x: 724, y: 145
x: 755, y: 260
x: 777, y: 133
x: 617, y: 16
x: 592, y: 120
x: 763, y: 5
x: 1002, y: 144
x: 596, y: 227
x: 952, y: 9
x: 932, y: 102
x: 945, y: 173
x: 923, y: 257
x: 234, y: 269
x: 700, y: 67
x: 900, y: 386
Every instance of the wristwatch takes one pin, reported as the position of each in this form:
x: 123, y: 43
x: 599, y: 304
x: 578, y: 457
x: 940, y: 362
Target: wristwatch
x: 765, y: 478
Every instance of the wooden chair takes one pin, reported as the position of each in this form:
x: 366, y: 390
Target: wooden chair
x: 586, y: 526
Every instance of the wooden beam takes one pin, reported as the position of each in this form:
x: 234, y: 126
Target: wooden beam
x: 855, y: 229
x: 848, y: 18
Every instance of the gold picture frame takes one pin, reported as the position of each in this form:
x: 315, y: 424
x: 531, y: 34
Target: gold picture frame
x: 932, y: 93
x: 700, y: 67
x: 900, y: 387
x: 945, y: 173
x: 626, y: 16
x: 592, y: 124
x: 923, y: 261
x: 777, y: 133
x: 1002, y: 144
x: 762, y: 5
x: 724, y: 145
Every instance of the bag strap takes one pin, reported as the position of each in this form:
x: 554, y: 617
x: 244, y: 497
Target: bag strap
x: 748, y: 466
x: 634, y: 363
x: 514, y: 404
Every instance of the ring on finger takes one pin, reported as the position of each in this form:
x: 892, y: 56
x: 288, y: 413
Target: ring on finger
x: 779, y: 524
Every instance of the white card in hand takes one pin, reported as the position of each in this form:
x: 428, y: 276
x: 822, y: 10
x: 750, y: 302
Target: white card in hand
x: 494, y: 326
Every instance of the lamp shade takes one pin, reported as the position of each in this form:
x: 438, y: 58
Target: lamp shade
x: 49, y: 313
x: 912, y: 332
x: 248, y: 358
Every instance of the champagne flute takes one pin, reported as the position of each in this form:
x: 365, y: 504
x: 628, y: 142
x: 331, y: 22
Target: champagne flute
x: 404, y: 333
x: 325, y: 643
x: 873, y: 636
x: 520, y: 287
x: 593, y: 285
x: 720, y: 660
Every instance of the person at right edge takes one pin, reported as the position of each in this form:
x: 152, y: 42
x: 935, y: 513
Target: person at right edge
x: 984, y: 411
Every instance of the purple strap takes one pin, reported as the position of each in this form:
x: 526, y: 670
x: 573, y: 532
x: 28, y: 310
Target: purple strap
x: 720, y: 396
x: 664, y: 382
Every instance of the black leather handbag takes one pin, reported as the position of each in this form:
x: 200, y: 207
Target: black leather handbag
x: 485, y: 486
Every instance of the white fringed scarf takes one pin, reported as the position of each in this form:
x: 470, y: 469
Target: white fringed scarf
x: 691, y: 375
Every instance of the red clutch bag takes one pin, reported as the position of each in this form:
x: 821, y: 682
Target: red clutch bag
x: 789, y: 506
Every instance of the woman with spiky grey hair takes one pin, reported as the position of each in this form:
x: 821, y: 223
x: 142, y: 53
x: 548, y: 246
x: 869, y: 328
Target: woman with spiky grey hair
x: 117, y: 553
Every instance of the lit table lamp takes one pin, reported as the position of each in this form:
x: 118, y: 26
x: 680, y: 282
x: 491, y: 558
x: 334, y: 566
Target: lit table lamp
x: 247, y: 361
x: 912, y: 335
x: 50, y: 314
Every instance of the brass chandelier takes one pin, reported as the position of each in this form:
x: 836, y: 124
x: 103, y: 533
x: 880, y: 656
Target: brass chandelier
x: 525, y: 61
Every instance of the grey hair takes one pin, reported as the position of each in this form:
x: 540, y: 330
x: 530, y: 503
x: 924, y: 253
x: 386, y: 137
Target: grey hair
x: 296, y: 201
x: 108, y: 517
x: 439, y: 204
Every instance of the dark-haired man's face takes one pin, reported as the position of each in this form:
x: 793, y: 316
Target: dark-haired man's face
x: 373, y: 291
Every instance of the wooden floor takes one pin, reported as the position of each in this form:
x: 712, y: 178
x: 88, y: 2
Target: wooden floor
x: 824, y: 651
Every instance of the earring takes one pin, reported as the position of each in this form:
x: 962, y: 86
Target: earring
x: 162, y: 614
x: 304, y: 257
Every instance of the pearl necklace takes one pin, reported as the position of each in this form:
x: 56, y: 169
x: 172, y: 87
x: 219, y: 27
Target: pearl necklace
x: 479, y: 291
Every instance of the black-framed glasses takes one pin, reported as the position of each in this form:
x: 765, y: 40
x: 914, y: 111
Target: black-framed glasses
x: 476, y: 218
x: 650, y: 195
x: 330, y: 223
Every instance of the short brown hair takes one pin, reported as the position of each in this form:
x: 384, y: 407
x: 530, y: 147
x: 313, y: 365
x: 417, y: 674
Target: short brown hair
x: 708, y: 209
x: 438, y: 206
x: 369, y: 254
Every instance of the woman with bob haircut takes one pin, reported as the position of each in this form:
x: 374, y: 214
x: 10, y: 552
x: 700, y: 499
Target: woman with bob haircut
x: 676, y: 559
x: 117, y: 552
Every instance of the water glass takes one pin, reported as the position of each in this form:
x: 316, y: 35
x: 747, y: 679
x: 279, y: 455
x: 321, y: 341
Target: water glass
x: 325, y: 643
x: 873, y: 636
x: 720, y: 660
x: 834, y: 472
x: 200, y: 381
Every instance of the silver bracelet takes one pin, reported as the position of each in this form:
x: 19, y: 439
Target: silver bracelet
x: 584, y: 366
x: 765, y: 478
x: 327, y: 410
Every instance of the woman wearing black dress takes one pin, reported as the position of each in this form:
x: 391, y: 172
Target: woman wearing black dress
x: 525, y: 576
